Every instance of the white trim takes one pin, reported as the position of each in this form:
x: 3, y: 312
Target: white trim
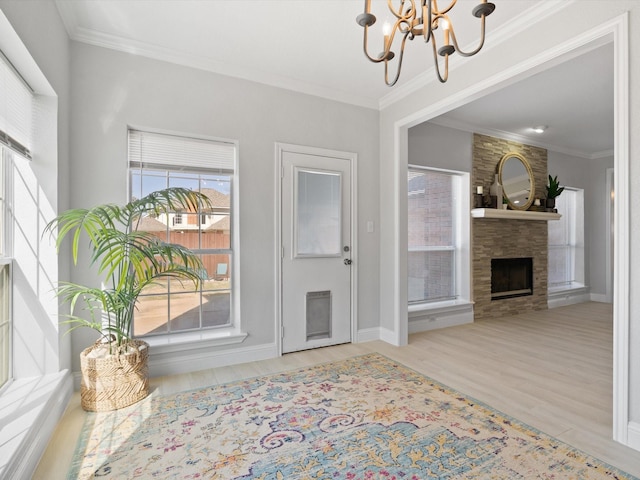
x: 280, y: 148
x: 418, y: 309
x: 400, y: 333
x: 179, y: 342
x: 425, y: 320
x: 388, y: 336
x: 562, y: 298
x: 634, y: 435
x: 188, y: 361
x: 598, y: 297
x: 144, y: 49
x: 191, y: 360
x: 618, y: 30
x: 527, y: 140
x: 368, y: 335
x: 621, y: 161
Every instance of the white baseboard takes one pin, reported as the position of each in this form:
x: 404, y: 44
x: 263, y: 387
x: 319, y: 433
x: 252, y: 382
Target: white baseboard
x: 567, y: 298
x: 388, y: 336
x: 192, y: 360
x: 37, y: 417
x: 368, y: 335
x: 431, y: 320
x: 633, y: 435
x: 598, y: 297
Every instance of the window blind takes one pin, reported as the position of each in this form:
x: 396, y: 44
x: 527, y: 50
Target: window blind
x: 148, y: 149
x: 16, y: 110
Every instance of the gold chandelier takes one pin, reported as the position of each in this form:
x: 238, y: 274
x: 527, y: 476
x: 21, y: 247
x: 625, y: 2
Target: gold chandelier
x: 411, y: 21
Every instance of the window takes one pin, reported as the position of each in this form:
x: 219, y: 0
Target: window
x: 566, y: 242
x: 436, y: 234
x: 16, y: 112
x: 159, y: 161
x: 5, y: 277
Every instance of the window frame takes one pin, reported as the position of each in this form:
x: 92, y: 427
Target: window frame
x: 231, y: 333
x: 460, y: 245
x: 6, y: 250
x: 575, y: 239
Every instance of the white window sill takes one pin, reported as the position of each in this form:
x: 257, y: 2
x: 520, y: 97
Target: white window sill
x: 178, y: 342
x: 418, y: 309
x: 574, y: 287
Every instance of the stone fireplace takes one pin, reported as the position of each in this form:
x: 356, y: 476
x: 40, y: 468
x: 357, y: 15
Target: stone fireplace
x: 500, y: 238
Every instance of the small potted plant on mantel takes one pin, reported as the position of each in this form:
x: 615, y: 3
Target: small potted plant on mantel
x: 114, y: 369
x: 553, y: 190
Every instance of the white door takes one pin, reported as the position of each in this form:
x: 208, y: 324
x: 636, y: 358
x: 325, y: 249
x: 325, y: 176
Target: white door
x: 316, y: 250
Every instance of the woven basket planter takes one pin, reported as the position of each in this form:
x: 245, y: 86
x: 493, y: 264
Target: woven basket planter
x: 115, y: 381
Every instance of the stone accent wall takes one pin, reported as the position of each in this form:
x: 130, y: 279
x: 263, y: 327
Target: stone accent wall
x: 497, y: 238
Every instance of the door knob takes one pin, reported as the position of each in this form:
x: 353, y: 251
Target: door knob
x: 347, y: 261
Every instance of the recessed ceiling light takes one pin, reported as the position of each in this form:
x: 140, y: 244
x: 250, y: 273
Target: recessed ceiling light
x: 539, y: 128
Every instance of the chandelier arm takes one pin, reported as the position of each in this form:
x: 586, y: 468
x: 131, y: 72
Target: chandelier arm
x: 400, y: 57
x: 454, y: 41
x: 366, y: 52
x: 398, y: 14
x: 426, y: 22
x: 446, y: 10
x: 446, y: 64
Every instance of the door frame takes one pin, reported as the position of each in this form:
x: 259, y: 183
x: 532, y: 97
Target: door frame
x: 280, y: 149
x: 615, y: 30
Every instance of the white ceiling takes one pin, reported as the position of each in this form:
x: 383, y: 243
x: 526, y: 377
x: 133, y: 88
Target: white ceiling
x: 315, y: 47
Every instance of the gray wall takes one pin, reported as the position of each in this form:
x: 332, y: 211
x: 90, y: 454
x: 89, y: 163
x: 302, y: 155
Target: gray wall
x: 112, y: 90
x: 432, y: 145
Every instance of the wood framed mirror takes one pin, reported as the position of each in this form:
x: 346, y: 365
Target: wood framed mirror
x: 516, y: 177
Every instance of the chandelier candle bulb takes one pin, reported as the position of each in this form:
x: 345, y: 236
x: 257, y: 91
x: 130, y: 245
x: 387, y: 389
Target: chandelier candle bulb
x: 445, y: 28
x: 386, y: 31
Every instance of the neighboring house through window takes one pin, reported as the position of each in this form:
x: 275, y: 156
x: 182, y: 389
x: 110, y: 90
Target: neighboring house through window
x: 158, y: 161
x: 566, y: 242
x: 436, y: 263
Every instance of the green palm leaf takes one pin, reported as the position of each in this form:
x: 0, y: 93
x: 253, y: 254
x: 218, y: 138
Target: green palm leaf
x: 129, y: 260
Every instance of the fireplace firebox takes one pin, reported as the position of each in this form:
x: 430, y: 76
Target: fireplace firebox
x: 511, y: 277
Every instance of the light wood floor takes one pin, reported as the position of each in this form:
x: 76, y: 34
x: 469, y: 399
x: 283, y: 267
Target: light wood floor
x: 550, y: 369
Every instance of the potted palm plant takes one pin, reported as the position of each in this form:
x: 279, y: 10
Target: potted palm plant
x: 114, y: 369
x: 553, y: 190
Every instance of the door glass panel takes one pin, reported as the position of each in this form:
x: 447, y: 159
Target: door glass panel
x: 318, y: 214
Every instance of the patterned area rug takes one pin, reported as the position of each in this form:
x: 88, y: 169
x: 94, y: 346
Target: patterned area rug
x: 362, y: 418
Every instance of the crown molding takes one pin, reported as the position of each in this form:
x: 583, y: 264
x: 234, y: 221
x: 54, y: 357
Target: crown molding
x: 126, y: 45
x: 514, y: 137
x: 494, y: 38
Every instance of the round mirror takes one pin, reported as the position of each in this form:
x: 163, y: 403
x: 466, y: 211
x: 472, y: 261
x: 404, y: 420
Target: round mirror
x: 516, y: 178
